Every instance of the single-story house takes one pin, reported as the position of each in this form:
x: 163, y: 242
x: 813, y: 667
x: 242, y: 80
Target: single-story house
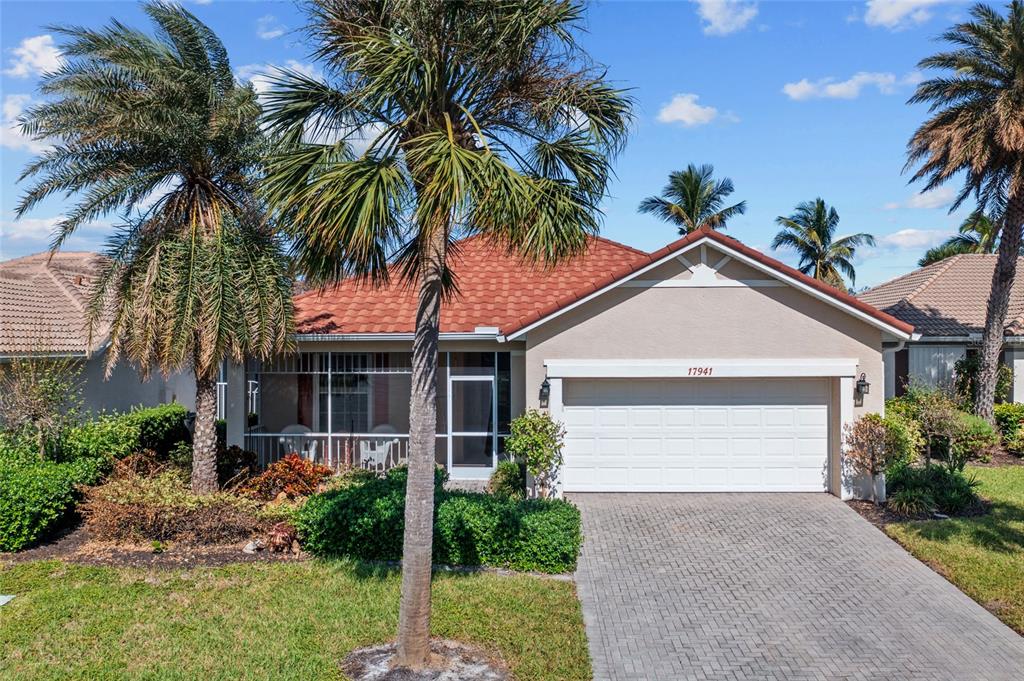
x: 703, y: 366
x: 43, y: 303
x: 946, y: 303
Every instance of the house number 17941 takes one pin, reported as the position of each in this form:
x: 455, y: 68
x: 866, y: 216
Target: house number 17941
x: 699, y: 371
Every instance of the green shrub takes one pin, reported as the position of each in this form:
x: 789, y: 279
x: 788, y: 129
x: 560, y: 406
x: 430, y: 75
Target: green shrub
x: 912, y: 502
x: 34, y: 499
x: 1009, y: 416
x: 366, y: 519
x: 106, y: 437
x: 536, y: 439
x: 160, y: 428
x: 17, y: 448
x: 972, y: 437
x: 952, y: 492
x: 508, y: 480
x: 904, y: 437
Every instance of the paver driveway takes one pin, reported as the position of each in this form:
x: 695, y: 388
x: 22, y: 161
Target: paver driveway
x: 771, y: 586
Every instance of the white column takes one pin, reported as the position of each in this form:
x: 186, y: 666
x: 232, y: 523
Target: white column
x: 889, y: 369
x: 235, y: 408
x: 1015, y: 360
x: 847, y: 484
x: 555, y: 410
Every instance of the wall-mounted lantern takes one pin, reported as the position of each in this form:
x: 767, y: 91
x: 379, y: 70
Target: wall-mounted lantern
x: 863, y: 387
x: 545, y: 393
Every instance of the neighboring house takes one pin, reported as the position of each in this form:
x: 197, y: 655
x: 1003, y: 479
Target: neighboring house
x: 946, y: 303
x: 704, y: 366
x: 43, y: 312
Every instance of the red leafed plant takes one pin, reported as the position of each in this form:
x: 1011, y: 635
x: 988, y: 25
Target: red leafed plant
x: 293, y: 475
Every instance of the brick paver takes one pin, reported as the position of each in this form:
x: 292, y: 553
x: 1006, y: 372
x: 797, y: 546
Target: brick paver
x: 771, y: 587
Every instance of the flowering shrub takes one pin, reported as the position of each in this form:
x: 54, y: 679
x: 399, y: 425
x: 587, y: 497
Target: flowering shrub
x: 293, y: 475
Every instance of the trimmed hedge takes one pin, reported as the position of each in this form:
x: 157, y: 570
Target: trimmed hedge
x: 34, y: 498
x: 366, y: 520
x: 160, y: 428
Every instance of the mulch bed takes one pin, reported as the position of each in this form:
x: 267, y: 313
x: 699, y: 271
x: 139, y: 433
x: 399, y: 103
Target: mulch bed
x: 452, y: 661
x: 75, y: 545
x: 999, y: 459
x: 879, y: 516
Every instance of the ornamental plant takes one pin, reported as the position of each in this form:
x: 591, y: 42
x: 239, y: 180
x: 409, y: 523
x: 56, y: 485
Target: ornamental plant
x: 869, y: 448
x: 537, y: 440
x: 292, y: 475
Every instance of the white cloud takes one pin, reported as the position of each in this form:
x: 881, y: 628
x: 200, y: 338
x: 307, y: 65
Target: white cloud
x: 912, y: 239
x: 684, y: 109
x: 899, y: 14
x: 33, y: 56
x: 31, y: 229
x: 11, y: 136
x: 260, y: 75
x: 268, y: 27
x: 939, y: 197
x: 722, y: 17
x: 830, y: 88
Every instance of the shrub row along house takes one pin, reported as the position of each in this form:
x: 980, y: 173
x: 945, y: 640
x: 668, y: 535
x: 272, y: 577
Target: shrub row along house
x: 705, y: 365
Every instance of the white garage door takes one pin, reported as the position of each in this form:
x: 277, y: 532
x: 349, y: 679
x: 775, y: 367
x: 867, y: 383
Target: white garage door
x: 695, y: 435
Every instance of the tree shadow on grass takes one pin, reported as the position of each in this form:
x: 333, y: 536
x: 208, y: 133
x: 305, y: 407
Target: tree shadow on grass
x: 992, y: 531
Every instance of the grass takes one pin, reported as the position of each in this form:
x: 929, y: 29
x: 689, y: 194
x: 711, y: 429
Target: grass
x: 266, y: 621
x: 983, y: 556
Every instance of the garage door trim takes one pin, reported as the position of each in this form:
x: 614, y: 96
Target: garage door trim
x: 695, y: 368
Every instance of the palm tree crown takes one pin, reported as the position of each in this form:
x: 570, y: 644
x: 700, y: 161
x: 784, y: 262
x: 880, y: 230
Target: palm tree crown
x: 978, y: 234
x: 811, y: 232
x: 197, y: 276
x: 976, y: 129
x: 475, y: 117
x: 693, y: 199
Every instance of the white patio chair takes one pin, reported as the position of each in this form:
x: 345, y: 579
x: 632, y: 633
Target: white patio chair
x: 297, y: 443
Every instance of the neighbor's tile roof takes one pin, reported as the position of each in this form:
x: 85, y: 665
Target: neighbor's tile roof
x: 497, y: 289
x: 948, y: 298
x: 43, y: 302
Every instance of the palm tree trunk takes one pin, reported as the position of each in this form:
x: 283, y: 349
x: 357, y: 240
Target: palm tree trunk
x: 998, y: 303
x: 417, y: 548
x: 204, y: 437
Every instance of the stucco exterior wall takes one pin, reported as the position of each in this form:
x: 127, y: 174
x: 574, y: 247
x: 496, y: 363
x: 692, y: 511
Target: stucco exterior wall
x: 709, y: 323
x: 126, y: 389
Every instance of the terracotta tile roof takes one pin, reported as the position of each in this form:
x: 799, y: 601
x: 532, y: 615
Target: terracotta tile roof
x: 496, y: 289
x: 948, y: 298
x: 499, y: 290
x: 43, y: 302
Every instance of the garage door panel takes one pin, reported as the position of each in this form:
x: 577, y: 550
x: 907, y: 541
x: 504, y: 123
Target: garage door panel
x: 679, y: 434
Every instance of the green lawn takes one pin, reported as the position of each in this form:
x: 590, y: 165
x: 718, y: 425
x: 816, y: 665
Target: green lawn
x: 266, y: 621
x: 983, y: 556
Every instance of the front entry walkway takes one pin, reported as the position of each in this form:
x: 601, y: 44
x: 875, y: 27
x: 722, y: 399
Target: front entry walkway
x: 771, y: 586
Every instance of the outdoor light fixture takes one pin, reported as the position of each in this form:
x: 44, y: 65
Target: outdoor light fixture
x: 545, y: 393
x: 863, y: 387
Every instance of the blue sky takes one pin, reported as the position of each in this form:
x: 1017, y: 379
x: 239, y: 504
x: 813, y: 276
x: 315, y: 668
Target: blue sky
x: 792, y: 100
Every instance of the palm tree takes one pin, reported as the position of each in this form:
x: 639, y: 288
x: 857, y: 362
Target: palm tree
x: 196, y: 277
x: 481, y: 117
x: 976, y: 129
x: 977, y: 234
x: 811, y: 232
x: 693, y: 199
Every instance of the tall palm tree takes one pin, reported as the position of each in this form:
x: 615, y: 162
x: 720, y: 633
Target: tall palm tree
x: 811, y: 232
x: 693, y: 199
x: 977, y: 129
x: 198, y: 276
x: 978, y: 234
x: 481, y: 117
